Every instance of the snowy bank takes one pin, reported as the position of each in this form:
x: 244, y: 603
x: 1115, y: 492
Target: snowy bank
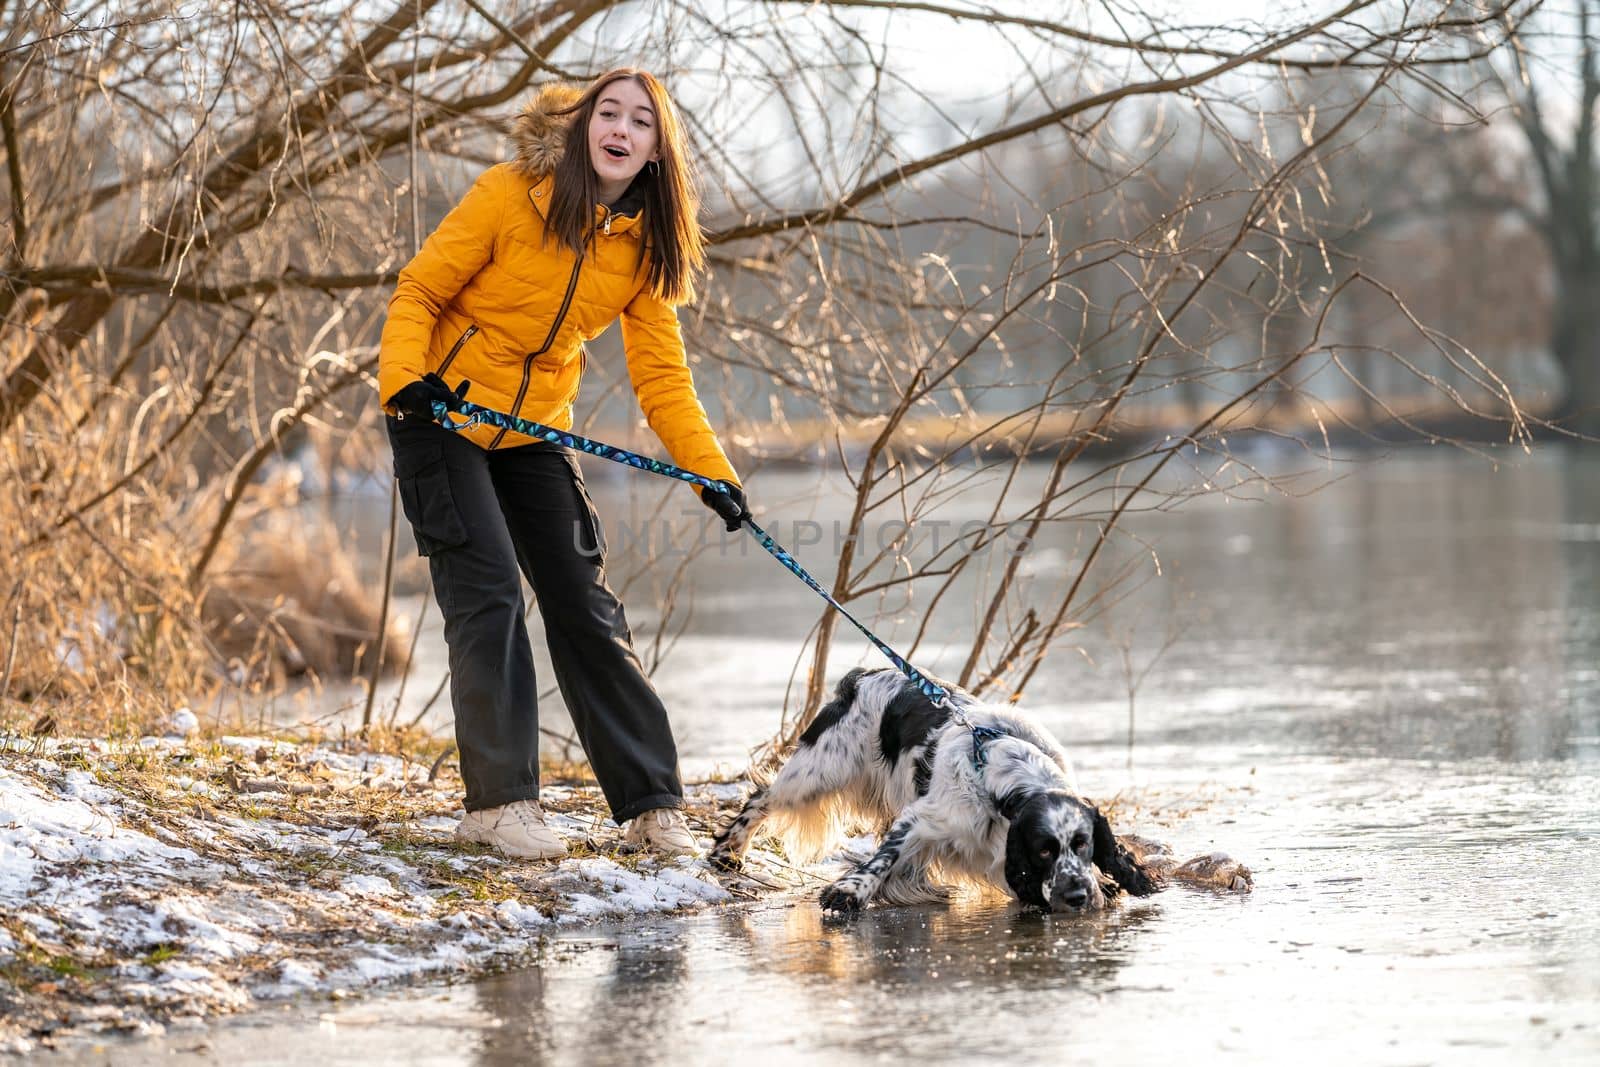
x: 148, y: 882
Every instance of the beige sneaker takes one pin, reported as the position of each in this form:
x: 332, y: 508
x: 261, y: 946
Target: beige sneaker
x: 663, y: 831
x: 515, y: 829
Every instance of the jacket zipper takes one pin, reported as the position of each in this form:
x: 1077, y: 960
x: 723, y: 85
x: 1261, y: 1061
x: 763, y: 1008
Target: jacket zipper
x: 527, y: 363
x: 455, y: 349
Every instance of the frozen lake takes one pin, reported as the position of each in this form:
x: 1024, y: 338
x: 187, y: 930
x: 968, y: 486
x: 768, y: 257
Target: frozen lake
x: 1383, y: 696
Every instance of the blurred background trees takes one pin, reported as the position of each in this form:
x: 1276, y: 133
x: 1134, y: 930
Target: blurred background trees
x: 949, y: 239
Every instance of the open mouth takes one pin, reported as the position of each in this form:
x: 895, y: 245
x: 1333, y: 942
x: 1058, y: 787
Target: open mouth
x: 616, y: 153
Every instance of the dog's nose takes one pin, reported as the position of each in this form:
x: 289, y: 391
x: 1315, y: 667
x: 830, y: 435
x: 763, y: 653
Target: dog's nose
x: 1074, y: 898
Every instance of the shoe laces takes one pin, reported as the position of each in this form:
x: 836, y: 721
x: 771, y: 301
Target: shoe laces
x: 669, y: 819
x: 525, y: 813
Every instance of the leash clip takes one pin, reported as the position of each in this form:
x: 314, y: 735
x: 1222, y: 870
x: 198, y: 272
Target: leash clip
x: 981, y: 736
x: 446, y: 418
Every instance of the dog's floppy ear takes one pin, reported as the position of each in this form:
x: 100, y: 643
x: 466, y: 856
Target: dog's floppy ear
x: 1024, y: 874
x: 1116, y: 861
x: 1025, y: 878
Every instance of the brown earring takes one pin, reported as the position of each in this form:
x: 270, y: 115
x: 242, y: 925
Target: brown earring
x: 654, y: 167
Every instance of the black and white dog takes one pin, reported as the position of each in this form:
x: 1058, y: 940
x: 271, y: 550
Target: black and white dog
x: 990, y: 801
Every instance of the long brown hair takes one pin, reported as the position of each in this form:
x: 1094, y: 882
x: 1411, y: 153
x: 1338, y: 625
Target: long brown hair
x: 674, y: 246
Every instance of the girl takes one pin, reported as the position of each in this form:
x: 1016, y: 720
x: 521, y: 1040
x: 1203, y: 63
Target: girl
x: 594, y: 220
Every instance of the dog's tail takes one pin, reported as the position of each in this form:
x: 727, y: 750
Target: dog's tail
x: 810, y: 833
x: 845, y: 692
x: 811, y: 830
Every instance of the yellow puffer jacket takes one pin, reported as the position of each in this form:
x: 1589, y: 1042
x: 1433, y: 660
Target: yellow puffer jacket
x: 488, y: 300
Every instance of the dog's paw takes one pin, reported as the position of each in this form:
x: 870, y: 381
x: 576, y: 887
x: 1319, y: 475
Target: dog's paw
x: 1146, y: 850
x: 724, y: 859
x: 846, y: 895
x: 1217, y: 871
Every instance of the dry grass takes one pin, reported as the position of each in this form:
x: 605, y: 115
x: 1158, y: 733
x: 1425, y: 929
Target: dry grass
x: 292, y: 602
x: 107, y: 623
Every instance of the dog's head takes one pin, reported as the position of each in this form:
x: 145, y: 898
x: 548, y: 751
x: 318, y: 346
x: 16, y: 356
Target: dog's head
x: 1058, y: 848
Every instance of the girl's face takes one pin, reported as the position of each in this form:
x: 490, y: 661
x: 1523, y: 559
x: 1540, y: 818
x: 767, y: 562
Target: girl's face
x: 622, y: 136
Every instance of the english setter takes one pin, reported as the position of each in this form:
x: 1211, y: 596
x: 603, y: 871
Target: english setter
x: 992, y: 802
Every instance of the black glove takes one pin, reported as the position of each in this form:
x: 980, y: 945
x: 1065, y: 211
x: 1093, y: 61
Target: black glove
x: 416, y: 399
x: 730, y: 505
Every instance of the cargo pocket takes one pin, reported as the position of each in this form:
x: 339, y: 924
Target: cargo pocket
x: 426, y: 498
x: 587, y: 536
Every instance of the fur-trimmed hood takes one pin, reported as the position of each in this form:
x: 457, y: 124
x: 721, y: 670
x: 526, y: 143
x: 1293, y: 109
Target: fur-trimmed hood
x: 538, y: 135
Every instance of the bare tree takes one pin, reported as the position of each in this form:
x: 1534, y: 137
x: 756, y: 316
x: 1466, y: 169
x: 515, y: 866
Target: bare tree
x: 1567, y: 215
x: 1506, y: 160
x: 1070, y: 253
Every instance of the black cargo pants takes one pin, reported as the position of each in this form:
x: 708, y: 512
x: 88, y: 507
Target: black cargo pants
x: 480, y: 517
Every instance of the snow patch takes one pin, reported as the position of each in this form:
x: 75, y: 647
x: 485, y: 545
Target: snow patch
x: 82, y: 786
x: 39, y: 831
x: 515, y: 913
x: 637, y: 892
x: 295, y: 975
x: 382, y: 965
x: 185, y: 972
x: 727, y: 792
x: 368, y: 885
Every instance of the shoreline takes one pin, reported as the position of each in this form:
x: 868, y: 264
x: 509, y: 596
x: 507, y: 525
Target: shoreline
x: 168, y: 881
x: 164, y: 882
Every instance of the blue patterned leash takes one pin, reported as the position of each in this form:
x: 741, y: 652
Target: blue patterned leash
x: 475, y: 415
